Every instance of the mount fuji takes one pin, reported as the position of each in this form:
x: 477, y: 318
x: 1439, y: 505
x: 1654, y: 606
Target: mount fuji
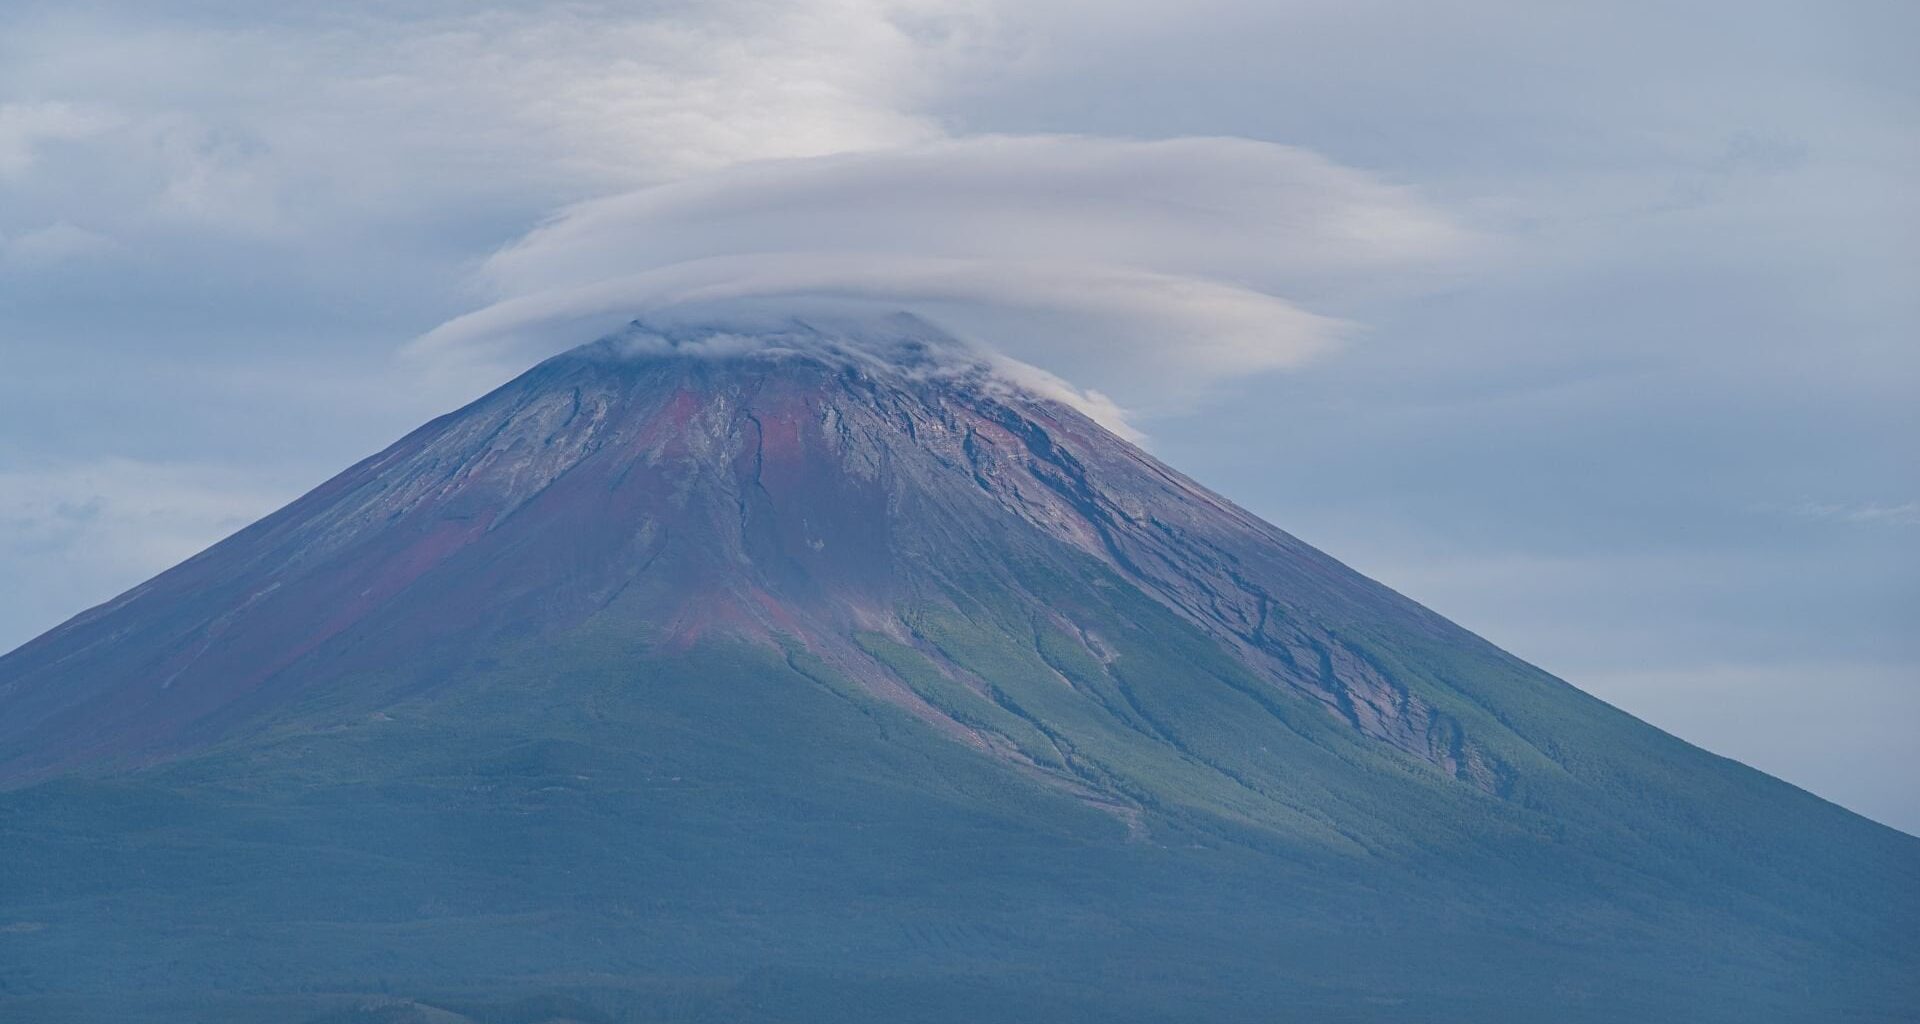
x: 803, y: 669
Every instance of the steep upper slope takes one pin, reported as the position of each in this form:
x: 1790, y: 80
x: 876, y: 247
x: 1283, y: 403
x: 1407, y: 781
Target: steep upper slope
x: 884, y: 607
x: 803, y: 490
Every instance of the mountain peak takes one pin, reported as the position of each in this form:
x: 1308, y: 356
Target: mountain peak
x: 775, y: 477
x: 878, y: 340
x: 866, y: 340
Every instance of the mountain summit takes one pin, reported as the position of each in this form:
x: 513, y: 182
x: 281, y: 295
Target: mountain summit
x: 804, y: 669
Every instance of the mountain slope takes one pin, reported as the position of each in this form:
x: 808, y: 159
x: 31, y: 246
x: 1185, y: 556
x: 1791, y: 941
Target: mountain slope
x: 699, y: 676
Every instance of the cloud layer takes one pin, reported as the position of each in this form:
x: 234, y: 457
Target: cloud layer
x: 1146, y: 270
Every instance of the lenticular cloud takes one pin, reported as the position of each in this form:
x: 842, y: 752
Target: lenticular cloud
x: 1145, y: 270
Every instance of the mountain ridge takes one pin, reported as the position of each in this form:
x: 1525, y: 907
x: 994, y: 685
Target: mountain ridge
x: 791, y: 612
x: 912, y: 353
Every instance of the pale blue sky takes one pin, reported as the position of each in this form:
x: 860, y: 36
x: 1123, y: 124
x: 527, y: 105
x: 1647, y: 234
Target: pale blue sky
x: 1593, y: 326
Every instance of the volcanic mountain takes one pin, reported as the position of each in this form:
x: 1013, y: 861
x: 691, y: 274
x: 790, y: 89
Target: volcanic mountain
x: 819, y: 671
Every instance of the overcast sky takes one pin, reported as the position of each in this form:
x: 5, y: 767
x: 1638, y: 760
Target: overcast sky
x: 1593, y: 326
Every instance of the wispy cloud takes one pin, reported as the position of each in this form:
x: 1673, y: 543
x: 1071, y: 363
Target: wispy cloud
x: 27, y: 127
x: 51, y: 245
x: 1861, y: 513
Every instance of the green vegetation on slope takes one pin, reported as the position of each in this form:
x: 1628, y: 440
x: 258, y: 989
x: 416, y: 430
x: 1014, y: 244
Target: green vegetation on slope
x: 734, y: 832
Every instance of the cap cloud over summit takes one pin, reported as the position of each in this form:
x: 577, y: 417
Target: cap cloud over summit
x: 1146, y: 270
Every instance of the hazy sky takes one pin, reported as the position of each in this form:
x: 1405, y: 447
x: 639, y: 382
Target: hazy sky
x: 1593, y: 326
